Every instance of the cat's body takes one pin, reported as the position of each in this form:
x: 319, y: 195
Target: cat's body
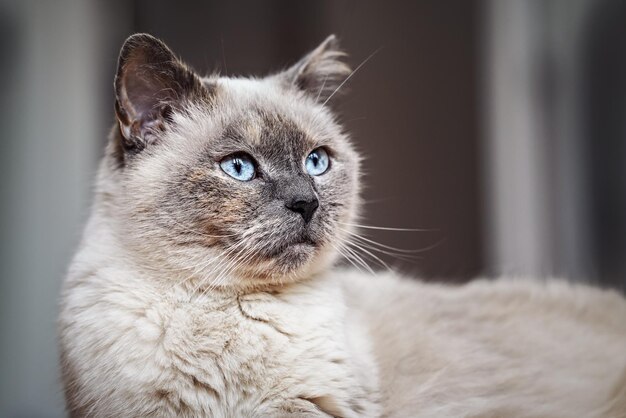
x: 506, y: 348
x: 204, y: 285
x: 142, y: 347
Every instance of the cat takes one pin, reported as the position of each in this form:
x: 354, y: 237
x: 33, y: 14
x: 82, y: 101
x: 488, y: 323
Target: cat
x: 206, y: 281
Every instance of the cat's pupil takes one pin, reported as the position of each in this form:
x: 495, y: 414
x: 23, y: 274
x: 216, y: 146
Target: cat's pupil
x: 237, y: 164
x: 315, y: 159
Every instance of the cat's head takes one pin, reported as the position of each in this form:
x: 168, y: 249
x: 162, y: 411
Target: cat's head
x: 240, y: 181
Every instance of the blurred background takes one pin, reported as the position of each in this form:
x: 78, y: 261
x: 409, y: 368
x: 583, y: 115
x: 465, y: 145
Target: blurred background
x: 497, y: 125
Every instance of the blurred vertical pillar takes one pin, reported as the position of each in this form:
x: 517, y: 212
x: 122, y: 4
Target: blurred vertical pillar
x: 536, y: 210
x: 53, y: 125
x: 517, y: 221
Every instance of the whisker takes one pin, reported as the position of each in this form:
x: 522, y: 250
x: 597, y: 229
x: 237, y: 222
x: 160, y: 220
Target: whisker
x: 385, y: 249
x: 224, y: 267
x: 347, y: 257
x: 222, y: 260
x: 385, y: 228
x: 398, y: 256
x: 219, y: 259
x: 359, y: 259
x: 370, y: 254
x: 388, y: 247
x: 350, y: 75
x: 225, y: 263
x: 222, y: 274
x: 321, y: 88
x: 215, y: 281
x: 243, y: 255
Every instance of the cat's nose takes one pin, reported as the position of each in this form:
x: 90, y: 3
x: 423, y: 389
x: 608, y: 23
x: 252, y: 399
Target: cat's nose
x: 305, y: 206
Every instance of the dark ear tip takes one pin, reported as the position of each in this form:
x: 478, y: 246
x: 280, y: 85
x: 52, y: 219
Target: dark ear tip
x: 139, y: 48
x: 142, y: 47
x: 141, y: 41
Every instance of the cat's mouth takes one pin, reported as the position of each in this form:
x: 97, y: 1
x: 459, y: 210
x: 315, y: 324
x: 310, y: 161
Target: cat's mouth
x: 291, y: 251
x: 303, y: 243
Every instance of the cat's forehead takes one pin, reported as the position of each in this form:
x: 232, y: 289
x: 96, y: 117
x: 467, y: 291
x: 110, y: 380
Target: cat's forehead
x: 261, y: 113
x: 252, y: 96
x: 245, y: 89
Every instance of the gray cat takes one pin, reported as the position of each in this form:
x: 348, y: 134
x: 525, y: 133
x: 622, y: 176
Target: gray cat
x: 205, y: 286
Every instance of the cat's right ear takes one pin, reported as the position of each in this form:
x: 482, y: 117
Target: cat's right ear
x: 150, y: 83
x: 320, y: 73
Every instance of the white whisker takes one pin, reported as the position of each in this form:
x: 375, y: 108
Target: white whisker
x: 347, y: 257
x: 384, y: 228
x: 359, y: 259
x: 385, y: 249
x: 350, y: 75
x: 370, y: 254
x: 321, y: 88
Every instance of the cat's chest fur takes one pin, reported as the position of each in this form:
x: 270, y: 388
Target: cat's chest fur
x: 152, y: 350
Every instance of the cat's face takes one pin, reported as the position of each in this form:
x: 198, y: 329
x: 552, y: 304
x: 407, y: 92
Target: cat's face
x: 236, y: 181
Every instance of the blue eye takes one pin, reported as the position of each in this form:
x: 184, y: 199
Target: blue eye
x: 239, y: 166
x: 317, y: 162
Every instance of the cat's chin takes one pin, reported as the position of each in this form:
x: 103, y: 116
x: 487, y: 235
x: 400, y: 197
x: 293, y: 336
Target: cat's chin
x: 295, y: 261
x: 303, y: 246
x: 298, y: 253
x: 290, y: 258
x: 295, y: 249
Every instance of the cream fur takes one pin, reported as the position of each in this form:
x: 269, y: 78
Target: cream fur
x: 134, y: 346
x: 154, y: 323
x: 506, y: 348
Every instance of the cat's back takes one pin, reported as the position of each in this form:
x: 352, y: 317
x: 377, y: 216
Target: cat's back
x: 495, y: 348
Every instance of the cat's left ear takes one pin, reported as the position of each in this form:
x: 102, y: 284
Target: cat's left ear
x: 320, y: 72
x: 150, y: 83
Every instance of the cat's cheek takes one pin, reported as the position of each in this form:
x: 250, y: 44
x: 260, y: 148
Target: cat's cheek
x: 235, y: 209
